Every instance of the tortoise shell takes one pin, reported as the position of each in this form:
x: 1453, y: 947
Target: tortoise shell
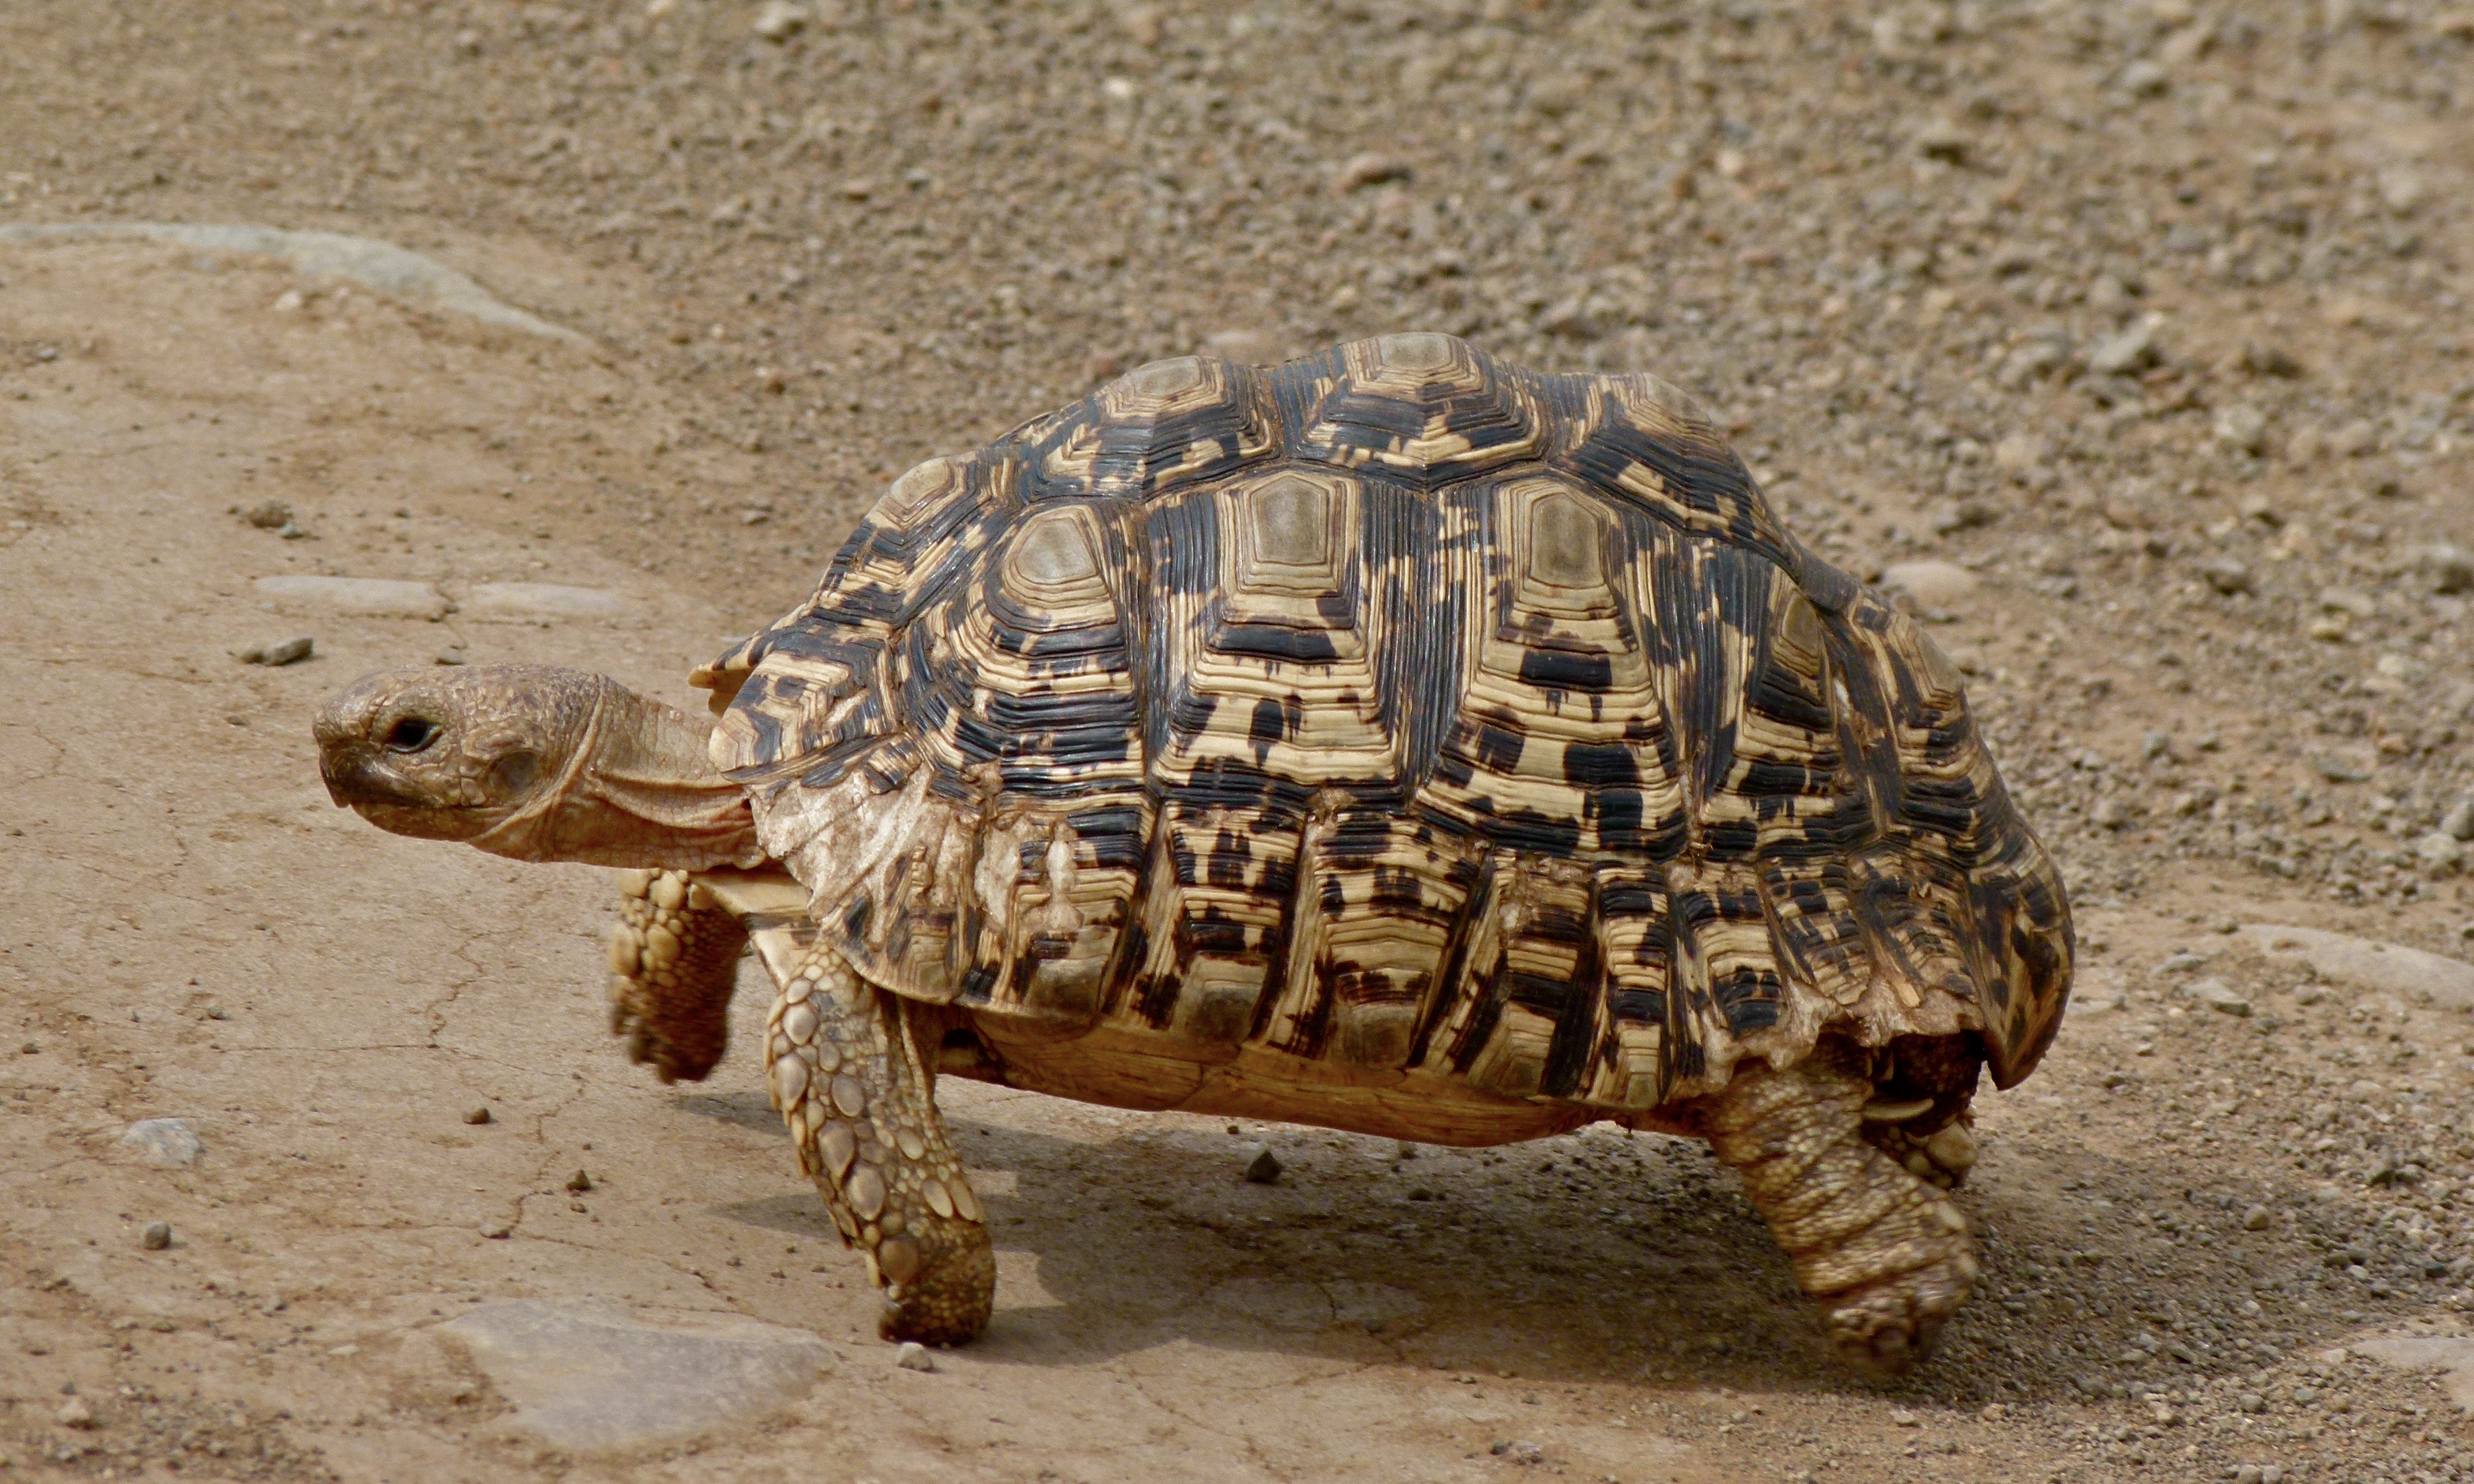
x: 1398, y: 710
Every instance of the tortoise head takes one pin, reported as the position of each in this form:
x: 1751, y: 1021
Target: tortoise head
x: 453, y: 754
x: 533, y: 763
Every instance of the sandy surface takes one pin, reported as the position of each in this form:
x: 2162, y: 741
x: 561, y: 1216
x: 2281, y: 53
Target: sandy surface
x: 2148, y: 323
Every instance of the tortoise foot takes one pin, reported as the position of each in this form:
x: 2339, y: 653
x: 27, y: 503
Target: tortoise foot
x: 673, y: 967
x: 1885, y: 1254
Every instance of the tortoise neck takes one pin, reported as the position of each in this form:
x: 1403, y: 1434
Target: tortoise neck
x: 637, y: 790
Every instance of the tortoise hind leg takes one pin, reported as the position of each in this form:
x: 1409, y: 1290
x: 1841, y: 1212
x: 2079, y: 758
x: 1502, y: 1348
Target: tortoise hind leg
x: 673, y: 966
x: 849, y: 1077
x: 1885, y: 1254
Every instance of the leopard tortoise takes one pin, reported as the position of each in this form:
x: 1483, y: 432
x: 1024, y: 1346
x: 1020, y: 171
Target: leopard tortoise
x: 1394, y: 741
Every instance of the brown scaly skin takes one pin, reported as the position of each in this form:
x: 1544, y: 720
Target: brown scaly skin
x: 673, y: 967
x: 849, y: 1080
x: 1885, y: 1254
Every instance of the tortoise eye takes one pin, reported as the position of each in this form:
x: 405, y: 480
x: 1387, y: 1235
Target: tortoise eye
x: 411, y: 735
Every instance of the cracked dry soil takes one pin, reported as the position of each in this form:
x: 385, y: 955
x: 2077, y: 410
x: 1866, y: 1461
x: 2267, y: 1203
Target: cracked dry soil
x: 2147, y: 319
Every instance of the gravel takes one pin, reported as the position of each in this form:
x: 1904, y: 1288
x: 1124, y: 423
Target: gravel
x: 2217, y: 995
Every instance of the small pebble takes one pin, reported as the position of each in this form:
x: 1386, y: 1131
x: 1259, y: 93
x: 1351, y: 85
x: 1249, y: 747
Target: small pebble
x: 2243, y: 428
x: 780, y: 20
x: 74, y: 1413
x: 1370, y: 169
x: 911, y: 1355
x: 497, y: 1228
x: 580, y: 1182
x: 156, y: 1237
x: 2218, y: 995
x: 278, y: 652
x: 272, y: 515
x: 2132, y: 350
x: 2226, y: 575
x: 1263, y: 1167
x: 476, y: 1116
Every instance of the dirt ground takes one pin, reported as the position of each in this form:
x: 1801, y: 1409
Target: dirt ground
x: 2143, y: 328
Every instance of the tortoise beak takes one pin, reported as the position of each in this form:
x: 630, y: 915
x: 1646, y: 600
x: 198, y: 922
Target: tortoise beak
x: 356, y: 779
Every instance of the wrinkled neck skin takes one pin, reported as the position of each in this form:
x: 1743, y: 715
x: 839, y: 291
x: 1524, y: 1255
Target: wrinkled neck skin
x: 533, y: 763
x: 637, y: 789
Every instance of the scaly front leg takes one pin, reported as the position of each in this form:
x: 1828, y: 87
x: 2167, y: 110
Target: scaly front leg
x: 850, y: 1081
x: 673, y: 966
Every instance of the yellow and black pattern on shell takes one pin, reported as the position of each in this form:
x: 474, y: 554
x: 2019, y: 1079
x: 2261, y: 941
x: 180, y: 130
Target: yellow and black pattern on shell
x: 1398, y: 710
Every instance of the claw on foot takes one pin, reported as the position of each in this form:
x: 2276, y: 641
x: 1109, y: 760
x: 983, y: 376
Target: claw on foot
x: 1886, y: 1327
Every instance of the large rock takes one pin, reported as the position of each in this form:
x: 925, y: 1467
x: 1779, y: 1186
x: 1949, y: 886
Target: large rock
x: 2409, y: 973
x: 2452, y: 1353
x: 586, y: 1376
x: 378, y: 596
x: 166, y: 1143
x: 380, y: 267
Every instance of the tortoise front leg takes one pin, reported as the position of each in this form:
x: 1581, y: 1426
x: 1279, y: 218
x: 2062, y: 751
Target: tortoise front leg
x: 1886, y: 1254
x: 849, y: 1080
x: 673, y: 966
